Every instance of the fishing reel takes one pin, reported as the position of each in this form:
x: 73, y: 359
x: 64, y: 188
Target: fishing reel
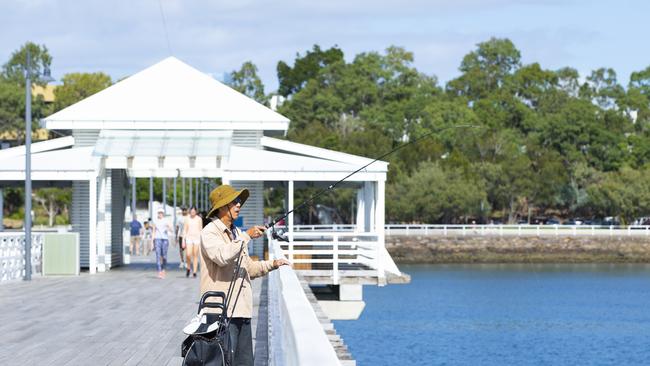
x: 278, y: 235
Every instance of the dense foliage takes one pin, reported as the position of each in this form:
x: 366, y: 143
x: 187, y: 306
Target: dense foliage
x: 549, y: 144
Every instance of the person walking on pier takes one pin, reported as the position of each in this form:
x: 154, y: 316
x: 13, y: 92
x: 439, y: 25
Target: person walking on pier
x: 161, y: 231
x: 221, y: 242
x: 180, y: 224
x: 191, y: 240
x: 136, y: 235
x: 147, y: 240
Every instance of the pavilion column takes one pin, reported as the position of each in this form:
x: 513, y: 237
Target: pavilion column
x: 361, y: 210
x: 92, y: 225
x: 369, y: 205
x: 380, y: 212
x: 102, y: 229
x: 133, y: 191
x: 290, y: 189
x: 196, y: 193
x: 183, y: 192
x: 199, y: 189
x: 2, y: 210
x: 174, y: 208
x: 190, y: 200
x: 151, y: 197
x: 164, y: 197
x: 205, y: 194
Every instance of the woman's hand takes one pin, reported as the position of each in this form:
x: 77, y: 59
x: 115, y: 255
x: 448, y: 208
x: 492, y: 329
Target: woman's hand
x: 280, y: 262
x: 256, y: 231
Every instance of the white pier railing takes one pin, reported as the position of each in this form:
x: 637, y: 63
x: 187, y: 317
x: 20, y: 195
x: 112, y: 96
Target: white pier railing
x: 296, y: 337
x: 518, y: 230
x: 491, y: 230
x: 333, y: 253
x: 12, y: 255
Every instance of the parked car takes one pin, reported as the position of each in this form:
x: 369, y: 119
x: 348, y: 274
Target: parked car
x: 574, y: 221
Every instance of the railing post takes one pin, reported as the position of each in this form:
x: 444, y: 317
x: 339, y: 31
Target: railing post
x: 557, y: 231
x: 593, y: 230
x: 426, y: 229
x: 335, y: 260
x: 290, y: 246
x: 407, y: 230
x: 444, y: 230
x: 629, y: 230
x: 464, y: 233
x: 537, y: 230
x: 611, y: 230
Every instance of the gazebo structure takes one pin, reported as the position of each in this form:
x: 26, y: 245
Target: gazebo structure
x: 173, y: 121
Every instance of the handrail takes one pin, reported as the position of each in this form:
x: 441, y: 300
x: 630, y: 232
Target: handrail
x: 516, y: 230
x: 296, y: 337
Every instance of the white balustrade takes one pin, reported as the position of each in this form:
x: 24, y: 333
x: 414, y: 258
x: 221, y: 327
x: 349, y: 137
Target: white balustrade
x: 296, y: 336
x: 517, y: 230
x: 12, y: 255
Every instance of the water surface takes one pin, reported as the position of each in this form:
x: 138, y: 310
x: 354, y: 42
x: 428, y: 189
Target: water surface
x: 506, y: 315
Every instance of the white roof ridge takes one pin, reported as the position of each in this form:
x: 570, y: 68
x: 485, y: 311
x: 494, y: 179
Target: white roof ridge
x: 169, y: 91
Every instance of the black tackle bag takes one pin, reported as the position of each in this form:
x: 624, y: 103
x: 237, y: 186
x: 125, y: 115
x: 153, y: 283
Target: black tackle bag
x: 211, y: 348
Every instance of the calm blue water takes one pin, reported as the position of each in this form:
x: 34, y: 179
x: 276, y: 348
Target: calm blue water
x: 506, y: 315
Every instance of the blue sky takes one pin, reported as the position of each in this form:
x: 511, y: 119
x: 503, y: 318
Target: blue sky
x: 122, y: 37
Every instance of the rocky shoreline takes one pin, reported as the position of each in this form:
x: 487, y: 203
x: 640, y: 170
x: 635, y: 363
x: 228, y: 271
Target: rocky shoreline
x: 512, y: 249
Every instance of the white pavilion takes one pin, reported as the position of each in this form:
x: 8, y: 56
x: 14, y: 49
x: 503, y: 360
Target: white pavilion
x: 171, y: 120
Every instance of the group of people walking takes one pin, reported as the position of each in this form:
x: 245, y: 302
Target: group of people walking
x: 155, y: 235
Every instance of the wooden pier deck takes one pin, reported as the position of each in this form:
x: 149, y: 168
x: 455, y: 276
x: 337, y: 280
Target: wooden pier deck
x: 125, y: 316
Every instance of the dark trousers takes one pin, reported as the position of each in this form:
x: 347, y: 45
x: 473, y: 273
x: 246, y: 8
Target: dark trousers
x: 242, y: 341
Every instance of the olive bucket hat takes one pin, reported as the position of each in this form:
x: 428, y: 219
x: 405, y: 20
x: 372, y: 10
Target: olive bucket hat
x: 223, y: 195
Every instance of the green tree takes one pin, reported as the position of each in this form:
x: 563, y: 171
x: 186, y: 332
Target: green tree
x: 486, y: 69
x: 53, y: 201
x: 246, y: 81
x: 305, y: 68
x: 624, y: 193
x: 435, y: 195
x: 79, y: 86
x: 12, y: 89
x: 14, y: 69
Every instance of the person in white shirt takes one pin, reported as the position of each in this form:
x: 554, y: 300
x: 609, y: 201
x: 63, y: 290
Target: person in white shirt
x: 161, y: 231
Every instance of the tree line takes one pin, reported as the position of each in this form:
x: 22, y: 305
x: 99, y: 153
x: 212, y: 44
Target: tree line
x: 549, y: 143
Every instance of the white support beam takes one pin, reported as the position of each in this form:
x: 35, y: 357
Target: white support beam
x: 369, y: 206
x: 290, y: 192
x: 38, y: 147
x: 361, y: 211
x: 92, y: 223
x: 380, y: 212
x: 102, y: 231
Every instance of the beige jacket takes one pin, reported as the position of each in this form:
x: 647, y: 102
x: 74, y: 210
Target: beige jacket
x: 218, y: 260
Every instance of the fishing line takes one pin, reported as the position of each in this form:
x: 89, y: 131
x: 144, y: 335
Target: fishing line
x: 332, y: 186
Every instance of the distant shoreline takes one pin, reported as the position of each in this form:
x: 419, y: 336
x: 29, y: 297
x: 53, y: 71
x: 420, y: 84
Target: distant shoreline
x: 494, y: 249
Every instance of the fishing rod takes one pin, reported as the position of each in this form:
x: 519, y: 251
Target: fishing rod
x: 332, y: 186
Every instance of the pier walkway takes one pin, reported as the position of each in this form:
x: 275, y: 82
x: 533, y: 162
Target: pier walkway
x: 126, y: 316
